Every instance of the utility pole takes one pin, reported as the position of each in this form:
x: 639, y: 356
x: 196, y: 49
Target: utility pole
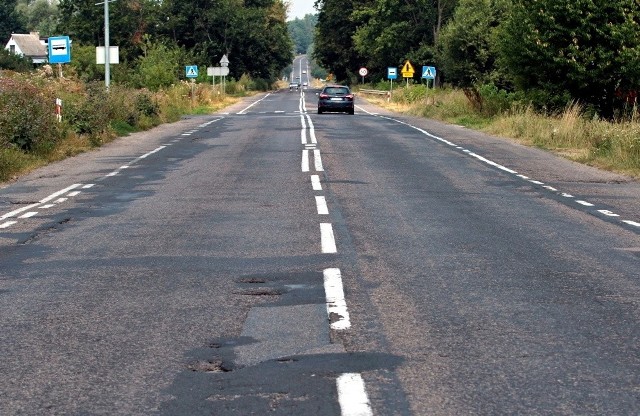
x: 107, y: 69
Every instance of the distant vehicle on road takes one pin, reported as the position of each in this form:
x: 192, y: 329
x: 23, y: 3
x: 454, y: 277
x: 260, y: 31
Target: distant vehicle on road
x: 304, y: 72
x: 336, y: 98
x: 294, y: 85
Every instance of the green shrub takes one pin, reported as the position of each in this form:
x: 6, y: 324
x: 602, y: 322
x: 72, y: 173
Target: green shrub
x: 88, y: 112
x: 27, y: 116
x: 495, y: 101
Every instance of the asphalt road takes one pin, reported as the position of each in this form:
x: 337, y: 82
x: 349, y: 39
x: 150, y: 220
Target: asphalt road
x: 269, y: 260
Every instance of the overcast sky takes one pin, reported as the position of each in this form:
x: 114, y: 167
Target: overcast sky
x: 300, y: 8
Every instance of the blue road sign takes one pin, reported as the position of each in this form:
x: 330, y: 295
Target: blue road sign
x: 429, y: 72
x: 392, y: 73
x: 59, y: 50
x: 192, y: 71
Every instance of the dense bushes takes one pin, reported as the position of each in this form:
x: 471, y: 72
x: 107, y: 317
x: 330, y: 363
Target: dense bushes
x: 27, y: 116
x: 30, y: 134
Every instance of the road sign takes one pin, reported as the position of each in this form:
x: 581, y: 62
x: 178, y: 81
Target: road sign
x: 407, y: 70
x: 218, y: 71
x: 114, y: 55
x: 392, y: 73
x: 59, y: 50
x: 363, y: 72
x: 429, y: 72
x: 224, y: 61
x: 192, y: 71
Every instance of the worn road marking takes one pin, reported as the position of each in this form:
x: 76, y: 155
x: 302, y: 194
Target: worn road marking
x: 352, y: 395
x: 317, y: 161
x: 336, y: 303
x: 42, y: 201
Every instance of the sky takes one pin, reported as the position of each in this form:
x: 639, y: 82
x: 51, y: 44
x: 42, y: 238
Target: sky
x: 300, y: 8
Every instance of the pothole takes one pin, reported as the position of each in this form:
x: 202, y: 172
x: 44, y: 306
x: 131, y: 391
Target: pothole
x: 211, y: 366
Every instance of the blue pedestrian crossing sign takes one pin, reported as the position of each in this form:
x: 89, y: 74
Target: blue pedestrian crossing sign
x: 429, y: 72
x: 192, y: 71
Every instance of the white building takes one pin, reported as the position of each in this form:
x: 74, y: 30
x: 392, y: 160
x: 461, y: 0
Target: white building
x: 30, y: 46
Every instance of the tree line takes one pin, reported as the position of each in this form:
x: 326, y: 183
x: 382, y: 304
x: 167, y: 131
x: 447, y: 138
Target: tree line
x: 546, y: 53
x: 158, y: 38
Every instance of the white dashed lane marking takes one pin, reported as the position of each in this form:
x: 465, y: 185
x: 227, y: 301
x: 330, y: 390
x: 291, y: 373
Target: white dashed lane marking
x: 327, y: 239
x: 315, y: 183
x: 321, y: 204
x: 352, y: 395
x: 336, y: 303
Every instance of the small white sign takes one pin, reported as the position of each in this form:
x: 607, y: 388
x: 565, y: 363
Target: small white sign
x: 114, y: 55
x: 363, y: 72
x: 217, y: 71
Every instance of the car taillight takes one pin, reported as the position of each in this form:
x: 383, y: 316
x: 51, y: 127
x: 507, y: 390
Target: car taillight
x: 349, y: 96
x: 324, y: 96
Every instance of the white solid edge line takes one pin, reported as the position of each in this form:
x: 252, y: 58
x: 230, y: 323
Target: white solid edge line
x: 305, y: 161
x: 336, y: 303
x: 504, y: 168
x: 242, y: 112
x: 317, y: 160
x: 327, y: 239
x: 635, y: 224
x: 321, y: 204
x: 352, y: 395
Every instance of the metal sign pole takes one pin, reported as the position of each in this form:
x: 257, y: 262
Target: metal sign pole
x: 107, y: 61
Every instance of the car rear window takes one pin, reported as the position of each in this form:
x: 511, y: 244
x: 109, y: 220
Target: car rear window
x: 337, y: 90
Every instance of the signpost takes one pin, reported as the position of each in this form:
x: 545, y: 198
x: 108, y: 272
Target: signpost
x: 429, y: 72
x: 192, y: 73
x: 224, y: 62
x: 363, y: 73
x: 408, y: 71
x: 59, y: 51
x: 392, y: 73
x: 217, y: 71
x: 114, y: 55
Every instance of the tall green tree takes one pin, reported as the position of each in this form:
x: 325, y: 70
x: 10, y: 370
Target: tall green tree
x: 302, y: 31
x: 261, y: 46
x: 253, y: 34
x: 584, y: 50
x: 39, y: 15
x: 334, y: 48
x: 129, y: 21
x: 467, y: 54
x: 10, y: 20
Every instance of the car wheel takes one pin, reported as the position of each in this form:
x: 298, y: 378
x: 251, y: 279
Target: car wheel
x: 319, y: 111
x: 351, y: 111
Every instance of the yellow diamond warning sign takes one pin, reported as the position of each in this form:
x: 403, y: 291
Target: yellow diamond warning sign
x: 407, y: 70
